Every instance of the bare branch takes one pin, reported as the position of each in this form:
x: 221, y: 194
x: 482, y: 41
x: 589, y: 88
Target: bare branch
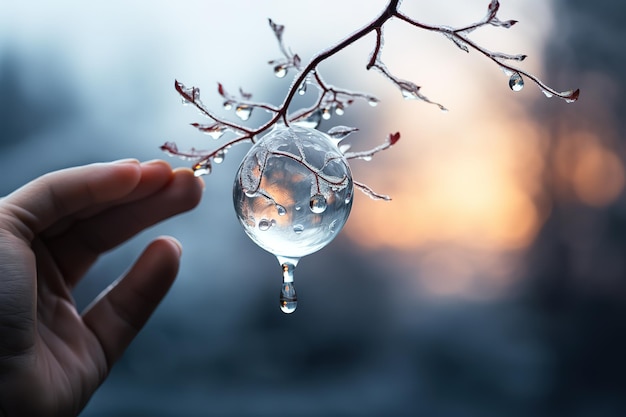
x: 371, y: 193
x: 367, y: 155
x: 332, y: 100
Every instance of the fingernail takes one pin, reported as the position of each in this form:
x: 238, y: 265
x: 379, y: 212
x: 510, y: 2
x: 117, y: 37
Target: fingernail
x: 155, y: 162
x: 177, y: 243
x: 126, y: 161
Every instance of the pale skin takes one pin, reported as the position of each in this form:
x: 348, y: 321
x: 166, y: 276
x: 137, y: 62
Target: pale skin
x: 52, y: 230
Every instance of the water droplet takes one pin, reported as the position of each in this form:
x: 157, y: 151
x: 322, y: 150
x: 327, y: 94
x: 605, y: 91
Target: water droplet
x: 215, y: 131
x: 339, y: 133
x: 281, y: 210
x: 193, y: 93
x: 507, y: 71
x: 367, y: 158
x: 339, y: 110
x: 318, y: 204
x: 228, y: 105
x: 216, y: 134
x: 243, y: 111
x: 409, y: 94
x: 311, y: 122
x: 326, y: 114
x: 202, y: 168
x: 288, y: 298
x: 265, y: 225
x: 343, y: 148
x: 298, y: 228
x: 516, y: 82
x: 298, y: 208
x: 373, y: 101
x: 280, y: 71
x: 219, y: 157
x: 547, y: 93
x: 302, y: 89
x: 572, y: 96
x: 250, y: 194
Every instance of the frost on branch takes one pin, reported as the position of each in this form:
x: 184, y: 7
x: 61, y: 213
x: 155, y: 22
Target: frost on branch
x: 331, y: 100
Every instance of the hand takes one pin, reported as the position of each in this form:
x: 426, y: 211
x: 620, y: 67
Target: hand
x: 52, y: 230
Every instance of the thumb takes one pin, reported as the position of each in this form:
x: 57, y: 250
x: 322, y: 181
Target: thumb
x: 119, y: 313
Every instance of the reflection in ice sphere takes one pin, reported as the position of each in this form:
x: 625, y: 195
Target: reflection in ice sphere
x: 293, y: 194
x: 293, y: 191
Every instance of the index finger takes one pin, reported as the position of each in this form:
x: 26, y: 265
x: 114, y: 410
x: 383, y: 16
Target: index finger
x: 40, y: 203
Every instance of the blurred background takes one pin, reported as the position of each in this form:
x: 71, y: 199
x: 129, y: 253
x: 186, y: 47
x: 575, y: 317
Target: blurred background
x: 493, y: 284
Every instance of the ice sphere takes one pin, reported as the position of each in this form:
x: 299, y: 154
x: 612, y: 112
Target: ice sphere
x: 293, y: 191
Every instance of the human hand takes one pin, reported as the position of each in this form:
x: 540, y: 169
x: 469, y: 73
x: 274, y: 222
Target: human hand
x: 52, y: 230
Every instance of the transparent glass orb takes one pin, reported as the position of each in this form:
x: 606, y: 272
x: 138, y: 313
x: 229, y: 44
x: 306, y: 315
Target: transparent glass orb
x: 293, y: 191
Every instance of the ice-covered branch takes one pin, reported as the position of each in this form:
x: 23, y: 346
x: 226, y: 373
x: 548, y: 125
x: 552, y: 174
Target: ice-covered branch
x: 332, y: 100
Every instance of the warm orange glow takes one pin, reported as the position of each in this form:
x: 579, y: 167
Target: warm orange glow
x: 598, y: 176
x: 588, y: 166
x: 463, y: 196
x: 464, y: 184
x: 473, y: 195
x: 470, y: 207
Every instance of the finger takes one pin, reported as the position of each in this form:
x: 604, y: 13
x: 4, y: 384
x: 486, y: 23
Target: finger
x: 118, y: 314
x: 154, y: 176
x: 42, y: 202
x: 77, y: 249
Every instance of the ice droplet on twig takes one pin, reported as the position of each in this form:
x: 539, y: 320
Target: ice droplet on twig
x: 202, y: 168
x: 409, y: 94
x: 302, y: 88
x: 507, y: 71
x: 243, y: 111
x: 311, y: 122
x: 516, y: 82
x: 570, y: 96
x: 217, y: 132
x: 338, y: 133
x: 280, y: 71
x: 219, y: 157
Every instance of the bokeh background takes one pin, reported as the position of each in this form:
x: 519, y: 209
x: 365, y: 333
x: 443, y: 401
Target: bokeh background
x: 493, y: 284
